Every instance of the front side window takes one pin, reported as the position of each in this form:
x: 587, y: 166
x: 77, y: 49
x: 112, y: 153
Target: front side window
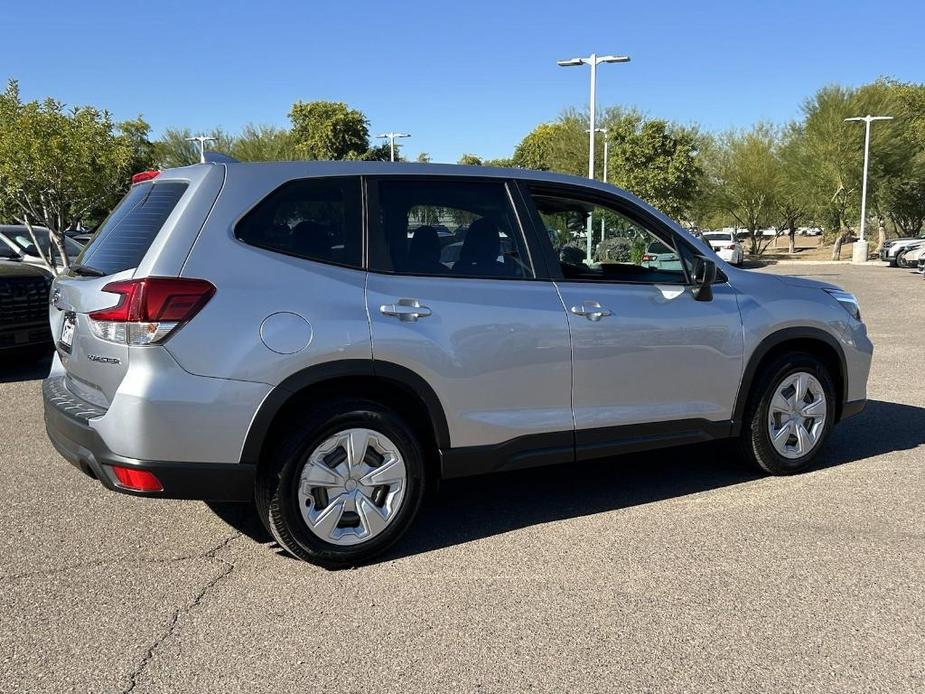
x: 622, y: 250
x: 314, y: 218
x: 447, y: 228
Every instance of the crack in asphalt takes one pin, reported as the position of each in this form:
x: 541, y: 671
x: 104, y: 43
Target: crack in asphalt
x: 40, y: 573
x: 180, y: 611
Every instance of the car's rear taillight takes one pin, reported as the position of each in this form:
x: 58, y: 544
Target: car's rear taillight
x: 730, y: 247
x: 149, y: 309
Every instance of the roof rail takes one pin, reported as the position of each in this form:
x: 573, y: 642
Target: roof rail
x: 218, y: 158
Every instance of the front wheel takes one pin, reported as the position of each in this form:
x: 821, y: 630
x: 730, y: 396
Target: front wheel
x: 789, y: 415
x: 343, y: 485
x: 901, y: 260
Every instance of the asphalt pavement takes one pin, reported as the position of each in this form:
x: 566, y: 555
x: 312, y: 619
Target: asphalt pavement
x: 676, y: 571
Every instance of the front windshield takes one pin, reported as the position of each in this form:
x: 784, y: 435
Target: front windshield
x: 23, y: 241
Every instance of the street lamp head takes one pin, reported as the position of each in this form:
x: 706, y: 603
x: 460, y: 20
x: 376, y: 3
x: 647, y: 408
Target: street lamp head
x: 614, y: 59
x: 571, y: 62
x: 869, y: 118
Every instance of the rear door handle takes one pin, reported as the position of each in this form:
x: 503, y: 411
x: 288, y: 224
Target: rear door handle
x: 592, y: 310
x: 406, y: 310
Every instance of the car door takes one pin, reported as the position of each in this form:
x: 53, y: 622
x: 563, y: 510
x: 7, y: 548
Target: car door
x: 452, y: 295
x: 651, y: 363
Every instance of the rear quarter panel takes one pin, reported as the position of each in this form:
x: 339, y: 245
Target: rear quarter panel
x: 224, y: 340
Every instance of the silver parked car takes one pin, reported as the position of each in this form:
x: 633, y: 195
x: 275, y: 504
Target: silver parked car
x: 303, y: 335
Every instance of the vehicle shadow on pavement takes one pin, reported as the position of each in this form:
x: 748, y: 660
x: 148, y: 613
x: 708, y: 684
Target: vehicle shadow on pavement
x: 474, y: 508
x: 23, y: 366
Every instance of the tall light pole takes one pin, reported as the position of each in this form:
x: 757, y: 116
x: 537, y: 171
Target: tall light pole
x: 391, y: 137
x: 859, y: 252
x: 593, y: 60
x: 603, y: 131
x: 201, y: 139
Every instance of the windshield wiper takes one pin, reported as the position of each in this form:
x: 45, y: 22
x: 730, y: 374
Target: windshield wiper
x: 86, y: 270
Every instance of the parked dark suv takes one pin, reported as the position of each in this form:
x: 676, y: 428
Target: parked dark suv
x: 23, y: 306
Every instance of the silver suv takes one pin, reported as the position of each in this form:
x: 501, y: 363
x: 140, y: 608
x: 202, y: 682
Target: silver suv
x: 331, y: 339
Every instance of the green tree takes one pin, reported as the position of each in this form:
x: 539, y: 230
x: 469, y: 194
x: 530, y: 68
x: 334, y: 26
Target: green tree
x: 792, y: 203
x: 654, y: 160
x: 329, y: 130
x: 558, y: 146
x: 501, y: 162
x: 835, y: 159
x: 263, y: 143
x: 423, y: 158
x: 137, y: 133
x: 175, y: 149
x: 59, y: 165
x: 745, y: 178
x: 470, y: 160
x: 899, y: 192
x: 381, y: 153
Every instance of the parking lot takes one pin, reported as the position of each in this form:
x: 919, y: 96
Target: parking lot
x: 677, y: 571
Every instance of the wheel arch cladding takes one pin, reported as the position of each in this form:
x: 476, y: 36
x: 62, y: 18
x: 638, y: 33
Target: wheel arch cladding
x: 813, y: 341
x: 394, y: 386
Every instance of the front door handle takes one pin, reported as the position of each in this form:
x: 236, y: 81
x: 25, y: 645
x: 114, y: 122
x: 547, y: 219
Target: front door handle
x: 592, y: 310
x: 406, y: 310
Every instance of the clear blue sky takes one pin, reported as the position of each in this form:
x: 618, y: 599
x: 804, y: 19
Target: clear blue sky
x: 470, y: 76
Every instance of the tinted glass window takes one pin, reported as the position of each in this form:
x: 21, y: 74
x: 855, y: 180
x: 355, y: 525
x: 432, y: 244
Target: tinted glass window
x: 622, y: 250
x: 124, y: 238
x: 23, y: 241
x: 314, y: 218
x: 450, y: 227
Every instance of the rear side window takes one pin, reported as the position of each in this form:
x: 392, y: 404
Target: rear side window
x: 450, y: 227
x: 314, y: 218
x: 124, y: 238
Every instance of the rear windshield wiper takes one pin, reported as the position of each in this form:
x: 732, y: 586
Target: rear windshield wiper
x: 86, y: 270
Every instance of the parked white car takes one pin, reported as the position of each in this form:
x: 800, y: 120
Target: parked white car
x: 912, y: 256
x: 726, y: 246
x: 894, y: 249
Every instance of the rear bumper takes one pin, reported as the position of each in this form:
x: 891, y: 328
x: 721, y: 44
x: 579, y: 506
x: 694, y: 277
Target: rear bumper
x: 81, y: 445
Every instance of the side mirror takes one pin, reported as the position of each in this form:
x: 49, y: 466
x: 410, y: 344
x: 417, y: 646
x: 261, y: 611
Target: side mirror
x: 8, y: 253
x: 703, y: 276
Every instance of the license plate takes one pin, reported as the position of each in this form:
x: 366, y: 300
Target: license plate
x: 67, y: 332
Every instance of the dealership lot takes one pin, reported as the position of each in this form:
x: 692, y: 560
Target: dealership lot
x: 671, y: 571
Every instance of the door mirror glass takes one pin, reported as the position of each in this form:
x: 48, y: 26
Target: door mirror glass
x: 8, y: 253
x: 703, y: 276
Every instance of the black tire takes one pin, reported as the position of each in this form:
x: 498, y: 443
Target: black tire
x: 901, y: 260
x: 754, y: 443
x: 277, y: 484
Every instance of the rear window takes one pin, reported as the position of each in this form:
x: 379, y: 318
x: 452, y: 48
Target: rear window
x: 124, y: 238
x: 314, y: 218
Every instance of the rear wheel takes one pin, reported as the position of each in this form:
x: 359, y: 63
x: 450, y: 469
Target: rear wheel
x: 789, y: 415
x: 343, y: 485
